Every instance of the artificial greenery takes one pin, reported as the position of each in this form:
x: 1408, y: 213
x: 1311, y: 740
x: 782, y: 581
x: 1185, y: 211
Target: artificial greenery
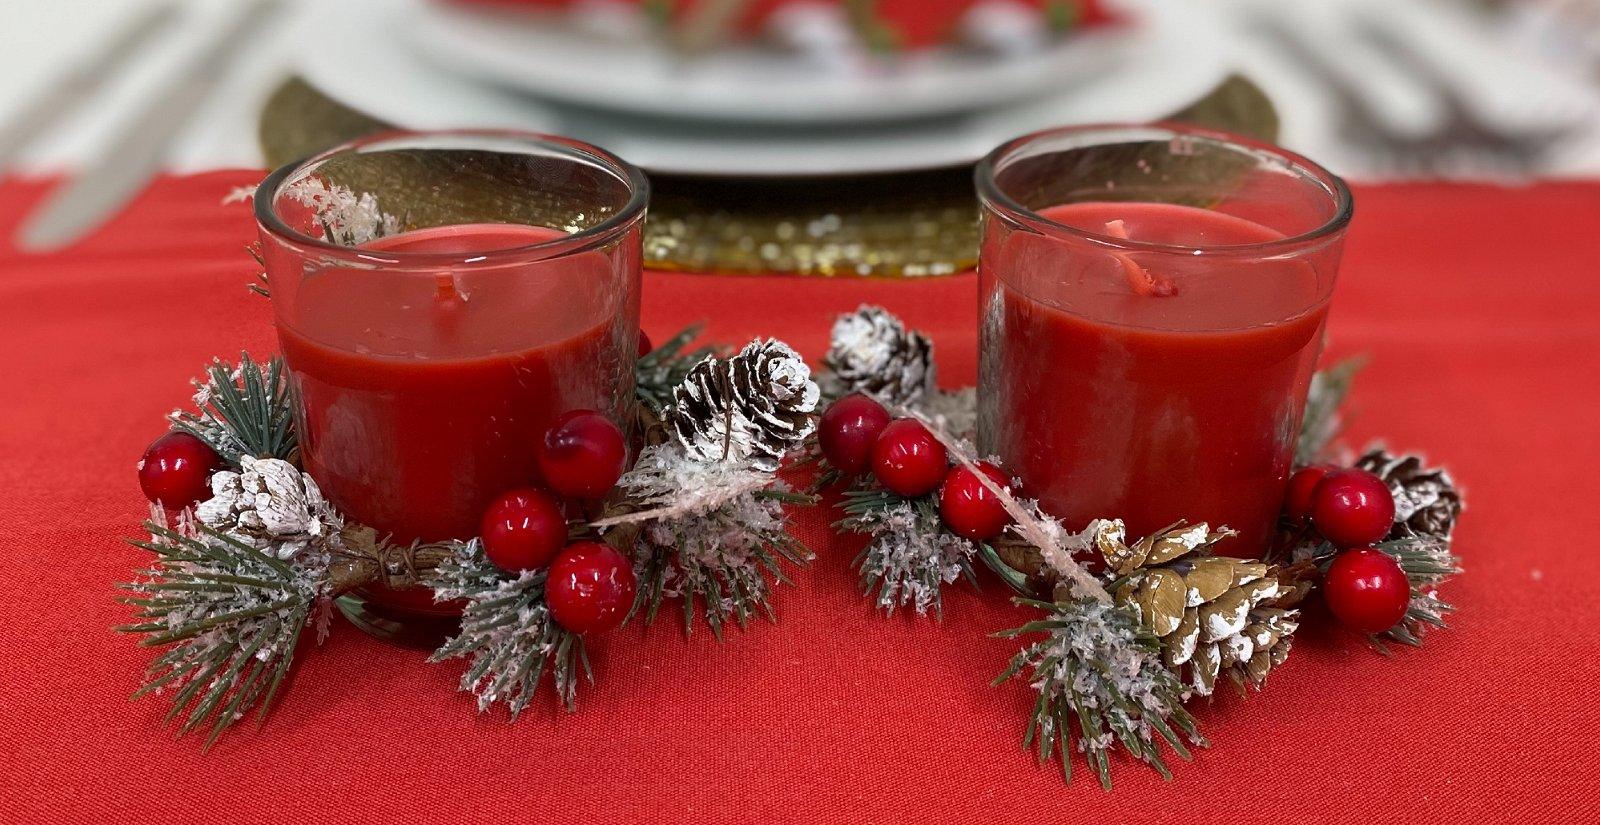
x: 244, y: 410
x: 663, y: 368
x: 507, y: 632
x: 1321, y: 421
x: 232, y: 615
x: 911, y: 556
x: 1101, y: 682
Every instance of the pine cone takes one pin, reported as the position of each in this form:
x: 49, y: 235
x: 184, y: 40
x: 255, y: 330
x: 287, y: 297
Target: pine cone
x: 271, y: 506
x: 756, y: 405
x: 872, y: 352
x: 1426, y: 502
x: 1214, y: 614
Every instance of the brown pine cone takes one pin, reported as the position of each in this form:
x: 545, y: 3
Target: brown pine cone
x: 872, y: 352
x: 756, y: 405
x: 1426, y: 501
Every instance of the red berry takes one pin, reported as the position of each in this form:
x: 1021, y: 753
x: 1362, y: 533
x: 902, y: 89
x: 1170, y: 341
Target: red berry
x: 645, y: 346
x: 1366, y: 590
x: 1352, y: 508
x: 582, y: 455
x: 970, y: 508
x: 907, y: 459
x: 590, y: 588
x: 1297, y: 496
x: 176, y: 470
x: 523, y: 530
x: 848, y: 429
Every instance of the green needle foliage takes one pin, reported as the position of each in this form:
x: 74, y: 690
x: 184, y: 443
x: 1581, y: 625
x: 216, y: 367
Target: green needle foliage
x: 911, y: 556
x: 248, y: 410
x: 507, y: 631
x: 1098, y: 669
x: 1321, y: 421
x: 725, y: 561
x: 663, y: 368
x: 232, y: 616
x: 1427, y: 562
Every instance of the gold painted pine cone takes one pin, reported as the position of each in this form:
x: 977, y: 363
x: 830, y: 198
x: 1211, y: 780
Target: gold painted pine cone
x: 1214, y: 615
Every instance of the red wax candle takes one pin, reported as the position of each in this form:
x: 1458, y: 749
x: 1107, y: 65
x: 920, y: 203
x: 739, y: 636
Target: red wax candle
x: 1144, y: 358
x: 417, y: 426
x: 424, y: 396
x: 428, y: 364
x: 1121, y: 402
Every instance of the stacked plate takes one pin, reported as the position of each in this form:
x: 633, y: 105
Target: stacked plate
x: 749, y: 111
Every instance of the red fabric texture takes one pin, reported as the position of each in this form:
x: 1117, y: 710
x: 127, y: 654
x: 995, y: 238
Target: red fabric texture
x: 1477, y: 305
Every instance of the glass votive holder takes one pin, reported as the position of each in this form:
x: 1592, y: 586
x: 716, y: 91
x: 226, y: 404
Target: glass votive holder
x: 1152, y: 306
x: 441, y: 298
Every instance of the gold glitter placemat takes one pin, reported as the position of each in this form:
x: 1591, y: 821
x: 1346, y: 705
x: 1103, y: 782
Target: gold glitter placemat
x: 889, y: 225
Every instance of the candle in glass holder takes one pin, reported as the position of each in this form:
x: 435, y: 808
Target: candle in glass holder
x: 1153, y: 306
x: 429, y: 362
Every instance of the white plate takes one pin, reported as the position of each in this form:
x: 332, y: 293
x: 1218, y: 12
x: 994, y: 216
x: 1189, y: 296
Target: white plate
x: 363, y: 63
x: 545, y: 56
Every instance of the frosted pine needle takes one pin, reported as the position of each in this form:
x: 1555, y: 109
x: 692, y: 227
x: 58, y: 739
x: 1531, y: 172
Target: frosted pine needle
x: 712, y: 533
x: 507, y: 632
x: 232, y: 615
x: 345, y: 217
x: 1098, y: 669
x: 911, y: 555
x: 1427, y: 562
x: 661, y: 369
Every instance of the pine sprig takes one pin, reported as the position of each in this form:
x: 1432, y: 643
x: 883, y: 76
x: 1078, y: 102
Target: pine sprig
x: 712, y: 533
x: 246, y: 410
x: 660, y: 370
x: 1427, y: 562
x: 722, y: 564
x: 233, y: 615
x: 1098, y: 668
x: 507, y: 631
x: 1321, y: 421
x: 911, y: 556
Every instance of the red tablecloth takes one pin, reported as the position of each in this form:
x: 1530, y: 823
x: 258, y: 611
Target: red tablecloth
x: 1477, y: 304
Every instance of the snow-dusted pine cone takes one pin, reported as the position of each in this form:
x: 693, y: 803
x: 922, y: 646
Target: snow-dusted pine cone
x: 872, y: 352
x: 756, y: 406
x: 1426, y: 501
x: 1213, y: 614
x: 271, y: 506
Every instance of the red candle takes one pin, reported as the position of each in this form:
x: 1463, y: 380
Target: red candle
x: 428, y: 364
x: 1149, y: 361
x: 417, y: 426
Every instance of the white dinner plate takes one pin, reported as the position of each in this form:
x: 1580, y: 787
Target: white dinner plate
x: 364, y: 63
x: 543, y: 55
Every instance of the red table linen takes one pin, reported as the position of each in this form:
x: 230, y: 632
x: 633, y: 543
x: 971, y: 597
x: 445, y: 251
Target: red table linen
x: 1477, y: 304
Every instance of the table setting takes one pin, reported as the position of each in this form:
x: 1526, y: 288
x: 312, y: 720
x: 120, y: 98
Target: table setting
x: 797, y: 410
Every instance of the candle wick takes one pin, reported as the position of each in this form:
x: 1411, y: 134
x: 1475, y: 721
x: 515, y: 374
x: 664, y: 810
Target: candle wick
x: 1143, y: 281
x: 446, y: 289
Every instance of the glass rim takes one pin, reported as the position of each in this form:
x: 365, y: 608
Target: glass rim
x: 583, y: 240
x: 993, y: 197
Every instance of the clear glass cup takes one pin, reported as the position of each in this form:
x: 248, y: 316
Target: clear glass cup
x: 1152, y: 305
x: 440, y: 299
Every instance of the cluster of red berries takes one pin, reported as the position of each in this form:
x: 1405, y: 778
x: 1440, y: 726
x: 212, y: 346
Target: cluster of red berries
x: 858, y: 435
x: 590, y: 585
x: 1365, y: 588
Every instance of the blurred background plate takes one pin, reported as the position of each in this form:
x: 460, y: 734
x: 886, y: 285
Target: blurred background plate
x: 1170, y: 58
x: 610, y: 60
